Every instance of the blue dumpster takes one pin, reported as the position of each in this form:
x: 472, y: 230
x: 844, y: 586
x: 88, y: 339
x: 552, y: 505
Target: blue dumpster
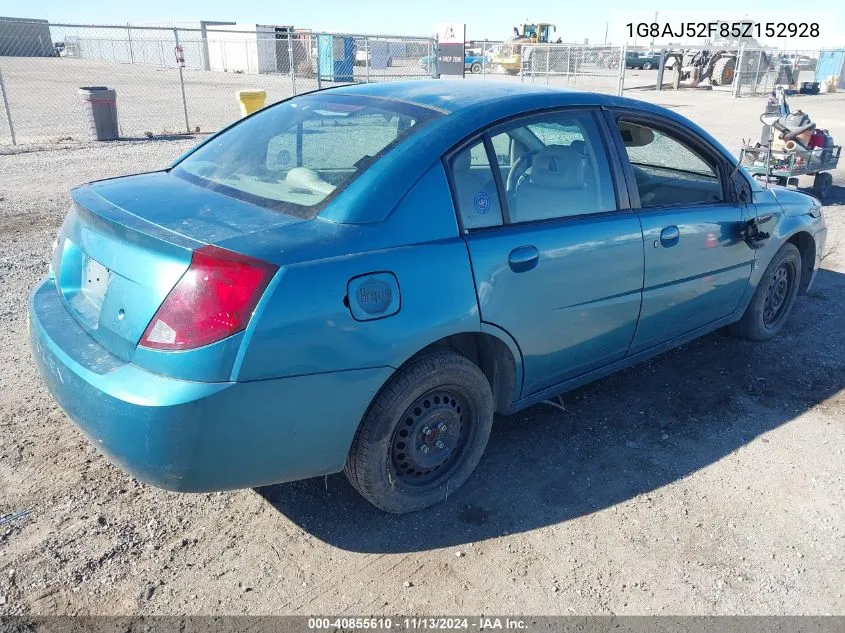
x: 831, y: 62
x: 335, y: 57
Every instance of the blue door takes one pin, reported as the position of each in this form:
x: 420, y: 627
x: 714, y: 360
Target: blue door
x: 696, y: 264
x: 556, y: 262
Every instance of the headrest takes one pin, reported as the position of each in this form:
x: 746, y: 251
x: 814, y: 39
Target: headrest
x: 558, y: 166
x: 579, y: 146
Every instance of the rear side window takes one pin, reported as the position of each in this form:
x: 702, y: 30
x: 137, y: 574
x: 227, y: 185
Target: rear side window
x: 297, y: 155
x: 476, y: 196
x: 561, y: 169
x: 669, y: 171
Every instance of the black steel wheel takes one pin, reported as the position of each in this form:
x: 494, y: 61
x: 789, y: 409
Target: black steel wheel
x: 774, y: 297
x: 475, y: 68
x: 434, y: 430
x: 780, y: 284
x: 424, y: 433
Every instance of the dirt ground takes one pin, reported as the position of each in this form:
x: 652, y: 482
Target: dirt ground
x: 710, y: 480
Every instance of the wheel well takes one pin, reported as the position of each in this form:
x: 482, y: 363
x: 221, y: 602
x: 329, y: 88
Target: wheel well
x: 493, y: 358
x: 806, y: 245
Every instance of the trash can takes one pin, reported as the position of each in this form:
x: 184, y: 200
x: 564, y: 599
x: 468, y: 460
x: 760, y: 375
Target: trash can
x: 250, y: 100
x: 99, y: 106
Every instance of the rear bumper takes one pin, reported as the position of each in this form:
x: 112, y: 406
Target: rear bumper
x: 195, y: 436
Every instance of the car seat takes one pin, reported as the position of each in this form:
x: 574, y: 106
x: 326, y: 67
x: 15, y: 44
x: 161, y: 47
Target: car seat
x: 555, y: 187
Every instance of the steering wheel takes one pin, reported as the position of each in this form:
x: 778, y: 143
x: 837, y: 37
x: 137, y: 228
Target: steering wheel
x: 518, y: 170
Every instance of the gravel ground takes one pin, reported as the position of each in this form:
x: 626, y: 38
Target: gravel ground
x: 44, y: 102
x: 707, y: 481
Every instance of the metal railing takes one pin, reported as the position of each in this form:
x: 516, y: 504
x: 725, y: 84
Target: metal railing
x: 178, y: 80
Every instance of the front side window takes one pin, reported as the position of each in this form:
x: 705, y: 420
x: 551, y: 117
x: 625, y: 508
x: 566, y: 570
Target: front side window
x: 667, y: 170
x: 295, y: 156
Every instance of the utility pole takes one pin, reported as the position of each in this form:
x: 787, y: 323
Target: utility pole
x: 652, y: 37
x: 606, y: 26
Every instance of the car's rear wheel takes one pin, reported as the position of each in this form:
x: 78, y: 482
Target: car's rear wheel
x: 773, y: 300
x: 423, y: 435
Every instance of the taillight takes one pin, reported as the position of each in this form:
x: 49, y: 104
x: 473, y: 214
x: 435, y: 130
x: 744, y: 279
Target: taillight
x: 214, y: 299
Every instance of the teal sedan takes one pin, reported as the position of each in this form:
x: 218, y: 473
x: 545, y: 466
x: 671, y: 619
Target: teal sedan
x: 359, y: 278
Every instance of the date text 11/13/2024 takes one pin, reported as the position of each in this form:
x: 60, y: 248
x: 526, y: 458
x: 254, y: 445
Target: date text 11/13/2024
x: 486, y: 623
x: 723, y: 29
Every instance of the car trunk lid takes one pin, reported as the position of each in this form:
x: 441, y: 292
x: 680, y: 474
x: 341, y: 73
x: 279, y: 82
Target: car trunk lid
x: 126, y: 242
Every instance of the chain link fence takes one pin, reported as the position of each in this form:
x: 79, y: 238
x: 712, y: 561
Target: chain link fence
x: 596, y: 68
x: 178, y: 80
x: 747, y: 71
x: 760, y: 70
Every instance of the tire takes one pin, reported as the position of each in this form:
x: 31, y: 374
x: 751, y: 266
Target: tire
x: 399, y: 460
x: 723, y: 71
x: 475, y: 68
x: 647, y: 66
x: 763, y: 319
x: 822, y: 184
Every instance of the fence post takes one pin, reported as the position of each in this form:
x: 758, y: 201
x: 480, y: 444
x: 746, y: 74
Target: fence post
x: 366, y: 57
x: 521, y: 50
x: 661, y: 69
x: 316, y: 40
x: 129, y: 40
x: 291, y: 63
x: 737, y: 85
x: 622, y: 54
x: 760, y: 54
x: 182, y: 83
x: 6, y: 107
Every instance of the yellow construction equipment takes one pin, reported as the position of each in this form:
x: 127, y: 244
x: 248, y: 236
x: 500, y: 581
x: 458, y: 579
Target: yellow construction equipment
x: 510, y: 54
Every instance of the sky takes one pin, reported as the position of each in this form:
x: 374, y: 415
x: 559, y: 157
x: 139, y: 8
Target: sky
x: 490, y: 19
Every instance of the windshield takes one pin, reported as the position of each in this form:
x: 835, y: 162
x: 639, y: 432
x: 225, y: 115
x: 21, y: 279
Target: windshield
x: 295, y: 156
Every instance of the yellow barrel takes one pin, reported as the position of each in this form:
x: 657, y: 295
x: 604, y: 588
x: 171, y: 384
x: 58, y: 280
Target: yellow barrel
x: 251, y: 100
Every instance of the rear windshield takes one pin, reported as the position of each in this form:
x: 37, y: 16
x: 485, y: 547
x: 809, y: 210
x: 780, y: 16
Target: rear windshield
x: 296, y: 155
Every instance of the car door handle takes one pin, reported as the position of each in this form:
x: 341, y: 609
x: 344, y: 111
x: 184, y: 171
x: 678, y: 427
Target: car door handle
x: 523, y: 258
x: 670, y: 236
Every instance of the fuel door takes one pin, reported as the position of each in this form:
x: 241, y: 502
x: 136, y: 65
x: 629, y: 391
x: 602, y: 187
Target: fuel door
x: 373, y: 296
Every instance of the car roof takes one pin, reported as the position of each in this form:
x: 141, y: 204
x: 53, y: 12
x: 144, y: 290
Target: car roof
x: 451, y: 95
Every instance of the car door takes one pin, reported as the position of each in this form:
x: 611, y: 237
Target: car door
x: 696, y: 263
x: 556, y: 252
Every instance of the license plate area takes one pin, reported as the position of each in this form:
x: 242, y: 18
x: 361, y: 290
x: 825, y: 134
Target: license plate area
x: 94, y: 282
x: 85, y: 288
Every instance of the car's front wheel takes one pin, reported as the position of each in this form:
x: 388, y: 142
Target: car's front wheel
x: 647, y: 66
x: 475, y: 68
x: 423, y: 435
x: 775, y: 295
